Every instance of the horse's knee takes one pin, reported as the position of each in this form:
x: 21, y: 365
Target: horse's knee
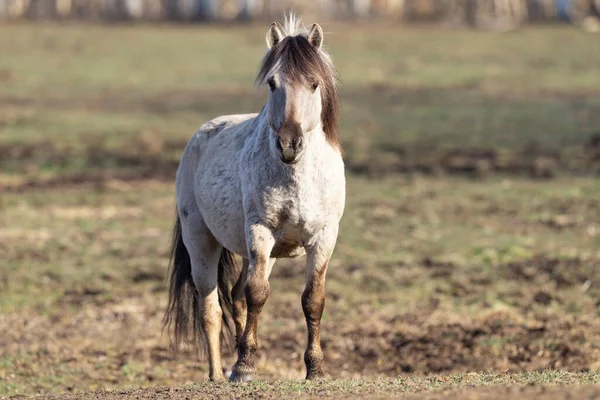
x: 257, y: 292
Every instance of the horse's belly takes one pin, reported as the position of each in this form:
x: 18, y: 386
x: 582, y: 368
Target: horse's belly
x: 220, y: 204
x: 229, y: 232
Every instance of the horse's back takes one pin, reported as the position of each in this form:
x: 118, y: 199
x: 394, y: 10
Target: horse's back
x: 220, y: 132
x: 222, y: 124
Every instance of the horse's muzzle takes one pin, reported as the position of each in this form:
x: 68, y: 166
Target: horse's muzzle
x: 290, y: 149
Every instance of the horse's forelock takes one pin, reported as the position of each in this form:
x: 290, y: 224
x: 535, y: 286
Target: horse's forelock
x: 292, y: 25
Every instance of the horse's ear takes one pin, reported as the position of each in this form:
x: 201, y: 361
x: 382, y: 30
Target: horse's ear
x: 315, y: 36
x: 274, y: 35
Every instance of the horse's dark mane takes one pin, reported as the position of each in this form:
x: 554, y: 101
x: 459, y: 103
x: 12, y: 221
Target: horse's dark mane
x: 303, y: 64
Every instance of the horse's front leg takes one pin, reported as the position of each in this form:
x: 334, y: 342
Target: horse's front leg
x: 313, y: 299
x: 260, y: 243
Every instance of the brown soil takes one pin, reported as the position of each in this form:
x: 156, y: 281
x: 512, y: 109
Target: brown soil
x: 138, y: 161
x: 590, y: 392
x: 491, y: 343
x: 365, y: 343
x: 214, y: 391
x: 535, y: 162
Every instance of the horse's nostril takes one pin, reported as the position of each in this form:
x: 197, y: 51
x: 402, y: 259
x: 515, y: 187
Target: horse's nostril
x: 278, y: 144
x: 297, y: 143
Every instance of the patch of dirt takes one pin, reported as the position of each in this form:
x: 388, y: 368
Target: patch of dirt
x: 137, y: 160
x: 422, y: 345
x: 534, y: 162
x: 563, y: 273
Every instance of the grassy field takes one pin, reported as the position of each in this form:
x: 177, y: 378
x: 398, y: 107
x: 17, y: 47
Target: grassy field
x: 467, y: 265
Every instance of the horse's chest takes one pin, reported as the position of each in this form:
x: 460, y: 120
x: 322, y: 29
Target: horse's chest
x: 295, y: 221
x: 291, y: 237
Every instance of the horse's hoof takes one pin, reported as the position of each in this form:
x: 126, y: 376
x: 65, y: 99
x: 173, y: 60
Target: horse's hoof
x: 317, y: 376
x: 217, y: 377
x: 235, y: 377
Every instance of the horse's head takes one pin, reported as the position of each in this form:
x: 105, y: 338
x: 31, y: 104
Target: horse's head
x: 303, y: 97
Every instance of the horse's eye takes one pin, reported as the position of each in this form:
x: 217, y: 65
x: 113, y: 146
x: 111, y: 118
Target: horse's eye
x: 271, y: 83
x: 314, y: 86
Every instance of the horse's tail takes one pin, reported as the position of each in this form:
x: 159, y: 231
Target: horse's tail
x: 183, y: 309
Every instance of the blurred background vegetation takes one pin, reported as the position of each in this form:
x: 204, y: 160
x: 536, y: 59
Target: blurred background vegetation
x: 486, y: 14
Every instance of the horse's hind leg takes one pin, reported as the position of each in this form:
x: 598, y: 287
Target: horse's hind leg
x: 204, y: 251
x: 239, y: 303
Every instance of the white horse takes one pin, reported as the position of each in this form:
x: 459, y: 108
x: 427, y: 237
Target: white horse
x: 262, y: 186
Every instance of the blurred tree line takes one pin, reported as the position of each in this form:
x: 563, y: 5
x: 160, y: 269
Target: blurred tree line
x: 485, y: 14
